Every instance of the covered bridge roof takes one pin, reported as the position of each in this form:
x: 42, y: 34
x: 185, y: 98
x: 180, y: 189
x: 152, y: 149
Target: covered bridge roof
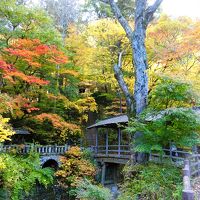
x: 113, y: 121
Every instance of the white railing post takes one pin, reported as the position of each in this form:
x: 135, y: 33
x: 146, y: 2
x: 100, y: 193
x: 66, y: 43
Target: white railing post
x: 66, y: 148
x: 150, y: 156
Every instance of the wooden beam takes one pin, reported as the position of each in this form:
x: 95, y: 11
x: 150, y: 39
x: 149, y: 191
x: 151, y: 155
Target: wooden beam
x: 119, y: 141
x: 103, y: 173
x: 96, y: 149
x: 106, y: 141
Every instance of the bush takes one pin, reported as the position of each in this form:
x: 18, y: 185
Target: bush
x: 87, y: 191
x: 74, y: 168
x: 151, y: 181
x: 179, y: 125
x: 19, y: 175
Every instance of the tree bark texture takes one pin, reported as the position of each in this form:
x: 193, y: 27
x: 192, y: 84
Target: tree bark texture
x: 136, y: 102
x: 143, y: 15
x: 140, y: 58
x: 120, y: 79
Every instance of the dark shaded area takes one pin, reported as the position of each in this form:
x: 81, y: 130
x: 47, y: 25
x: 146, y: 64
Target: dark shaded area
x: 53, y: 192
x: 51, y: 163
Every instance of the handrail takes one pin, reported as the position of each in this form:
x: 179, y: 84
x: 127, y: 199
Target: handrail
x: 194, y: 163
x: 188, y: 193
x: 112, y: 150
x: 190, y: 171
x: 24, y: 149
x: 176, y: 156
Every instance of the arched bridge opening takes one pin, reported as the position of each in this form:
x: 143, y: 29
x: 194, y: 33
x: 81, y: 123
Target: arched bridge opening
x: 51, y: 163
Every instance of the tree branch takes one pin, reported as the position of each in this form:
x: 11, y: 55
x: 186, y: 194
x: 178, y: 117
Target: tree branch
x: 124, y: 23
x: 120, y: 80
x: 151, y: 10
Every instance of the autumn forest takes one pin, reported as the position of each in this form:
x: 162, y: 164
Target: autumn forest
x: 66, y: 65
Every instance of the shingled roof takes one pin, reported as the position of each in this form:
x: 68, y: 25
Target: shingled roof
x: 113, y: 121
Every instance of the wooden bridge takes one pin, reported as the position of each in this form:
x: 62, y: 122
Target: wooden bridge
x: 120, y: 154
x: 49, y: 154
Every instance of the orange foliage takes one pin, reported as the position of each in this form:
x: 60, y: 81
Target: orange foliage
x: 74, y: 168
x: 24, y: 77
x: 31, y: 51
x: 21, y: 105
x: 9, y: 72
x: 35, y: 55
x: 58, y: 122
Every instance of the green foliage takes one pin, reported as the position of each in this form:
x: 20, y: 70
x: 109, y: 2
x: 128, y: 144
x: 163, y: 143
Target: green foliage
x: 171, y: 93
x: 20, y: 21
x: 89, y: 155
x: 180, y: 126
x: 103, y: 10
x: 29, y: 42
x: 19, y: 175
x: 151, y: 181
x: 88, y: 191
x: 167, y: 119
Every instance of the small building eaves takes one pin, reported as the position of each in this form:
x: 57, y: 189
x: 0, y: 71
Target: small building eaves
x: 110, y: 121
x: 21, y: 132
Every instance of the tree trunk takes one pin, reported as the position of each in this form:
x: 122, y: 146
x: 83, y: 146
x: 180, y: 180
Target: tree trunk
x: 136, y: 102
x: 140, y: 58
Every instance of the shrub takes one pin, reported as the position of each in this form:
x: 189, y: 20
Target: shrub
x: 74, y: 167
x: 87, y: 191
x: 151, y: 181
x: 19, y: 175
x: 179, y: 125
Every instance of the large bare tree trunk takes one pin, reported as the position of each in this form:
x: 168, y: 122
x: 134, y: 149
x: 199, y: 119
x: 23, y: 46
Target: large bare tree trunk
x: 140, y: 58
x: 136, y: 102
x: 143, y: 16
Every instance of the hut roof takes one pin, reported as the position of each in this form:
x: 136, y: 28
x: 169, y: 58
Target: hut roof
x: 113, y: 121
x: 21, y: 131
x: 123, y: 119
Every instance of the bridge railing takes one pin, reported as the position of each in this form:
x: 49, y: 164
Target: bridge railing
x: 176, y: 156
x: 118, y: 150
x: 24, y: 149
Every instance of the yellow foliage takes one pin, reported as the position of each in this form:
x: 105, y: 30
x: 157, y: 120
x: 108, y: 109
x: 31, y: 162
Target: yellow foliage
x: 96, y: 51
x: 2, y: 164
x: 64, y: 128
x: 5, y: 130
x: 84, y: 106
x: 74, y: 168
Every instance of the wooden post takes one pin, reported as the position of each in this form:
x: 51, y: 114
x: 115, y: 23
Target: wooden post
x: 198, y: 165
x: 103, y: 173
x: 188, y: 194
x: 96, y: 148
x: 170, y: 151
x: 106, y: 141
x: 150, y: 155
x: 66, y: 148
x: 119, y: 141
